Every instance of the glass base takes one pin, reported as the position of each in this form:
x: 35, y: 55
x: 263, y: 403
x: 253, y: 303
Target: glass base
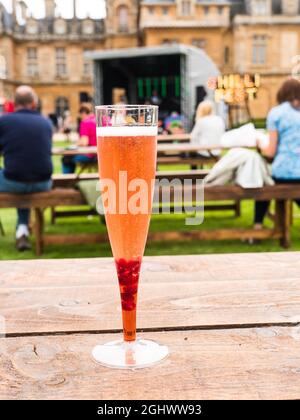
x: 136, y: 355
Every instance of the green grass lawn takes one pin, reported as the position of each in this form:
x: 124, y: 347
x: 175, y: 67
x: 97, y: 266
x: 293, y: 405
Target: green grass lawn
x: 159, y: 223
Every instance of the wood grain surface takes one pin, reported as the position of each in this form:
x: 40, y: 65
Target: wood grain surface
x: 227, y: 364
x: 190, y: 292
x: 97, y: 271
x: 232, y: 324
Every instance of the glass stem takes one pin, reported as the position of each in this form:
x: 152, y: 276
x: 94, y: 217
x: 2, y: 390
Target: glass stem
x: 129, y: 325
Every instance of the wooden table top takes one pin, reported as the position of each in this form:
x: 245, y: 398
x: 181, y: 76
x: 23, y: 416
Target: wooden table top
x: 183, y: 148
x: 161, y: 148
x: 74, y: 151
x: 232, y: 323
x: 170, y: 138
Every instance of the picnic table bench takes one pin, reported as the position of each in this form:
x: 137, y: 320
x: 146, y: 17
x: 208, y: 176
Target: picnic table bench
x: 282, y: 194
x: 232, y: 324
x: 71, y: 181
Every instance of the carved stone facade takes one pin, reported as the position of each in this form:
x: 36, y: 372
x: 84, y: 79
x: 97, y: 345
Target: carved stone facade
x: 239, y: 35
x: 48, y: 53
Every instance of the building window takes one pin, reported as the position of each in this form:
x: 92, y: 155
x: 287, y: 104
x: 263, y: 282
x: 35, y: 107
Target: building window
x: 220, y: 10
x: 3, y: 69
x: 260, y: 8
x: 199, y: 43
x: 88, y: 27
x: 226, y: 55
x: 186, y: 8
x: 206, y: 10
x: 60, y: 27
x: 170, y: 41
x: 87, y: 65
x: 61, y: 62
x: 151, y: 10
x: 32, y: 62
x: 32, y: 27
x: 62, y: 105
x: 123, y: 15
x: 259, y: 49
x: 165, y: 11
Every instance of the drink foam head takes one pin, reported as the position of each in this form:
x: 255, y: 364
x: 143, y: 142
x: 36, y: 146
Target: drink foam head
x: 126, y: 131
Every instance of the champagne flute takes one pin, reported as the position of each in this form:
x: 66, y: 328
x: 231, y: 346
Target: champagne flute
x: 127, y: 153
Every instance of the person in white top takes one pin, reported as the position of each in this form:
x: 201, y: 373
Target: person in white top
x: 209, y: 128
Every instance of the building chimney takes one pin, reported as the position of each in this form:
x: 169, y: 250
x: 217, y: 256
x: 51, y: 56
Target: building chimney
x: 290, y: 7
x: 24, y: 10
x: 50, y: 6
x: 74, y: 9
x: 14, y: 9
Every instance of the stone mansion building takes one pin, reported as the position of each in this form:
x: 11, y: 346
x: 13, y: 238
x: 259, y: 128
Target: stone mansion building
x: 240, y: 36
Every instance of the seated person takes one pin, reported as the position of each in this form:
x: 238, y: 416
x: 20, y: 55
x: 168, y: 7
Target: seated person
x: 88, y: 137
x: 26, y: 143
x: 208, y: 129
x: 174, y: 124
x: 283, y: 124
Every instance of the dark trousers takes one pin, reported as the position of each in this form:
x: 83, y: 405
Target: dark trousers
x: 69, y: 162
x: 261, y: 207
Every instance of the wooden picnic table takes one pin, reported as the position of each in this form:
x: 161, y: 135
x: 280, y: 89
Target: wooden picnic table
x: 232, y: 324
x: 174, y: 138
x: 183, y: 148
x: 162, y: 149
x: 168, y: 154
x: 74, y: 151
